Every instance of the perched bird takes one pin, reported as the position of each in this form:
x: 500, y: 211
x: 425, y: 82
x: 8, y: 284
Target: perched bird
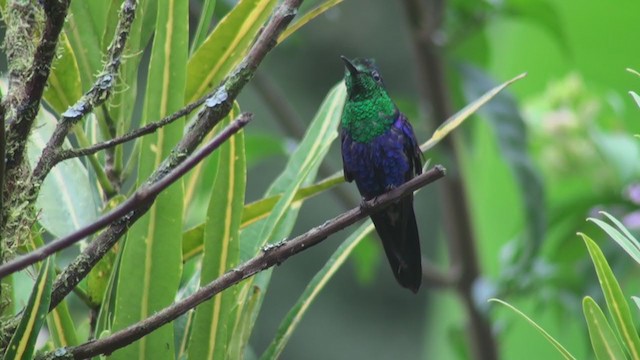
x: 380, y: 152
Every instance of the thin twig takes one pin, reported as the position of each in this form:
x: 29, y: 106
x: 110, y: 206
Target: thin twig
x: 146, y: 194
x: 97, y: 95
x: 134, y: 134
x: 271, y: 255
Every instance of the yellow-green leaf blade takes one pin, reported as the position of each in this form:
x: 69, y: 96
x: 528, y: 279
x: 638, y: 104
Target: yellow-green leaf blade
x: 23, y: 341
x: 603, y: 341
x: 616, y: 303
x: 63, y: 87
x: 151, y: 263
x: 225, y: 46
x: 209, y: 332
x: 459, y: 117
x: 61, y: 326
x: 561, y: 349
x: 303, y: 20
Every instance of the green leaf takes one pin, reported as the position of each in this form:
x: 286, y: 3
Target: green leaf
x: 624, y: 238
x: 203, y: 23
x: 616, y: 303
x: 304, y: 19
x: 366, y: 258
x: 636, y: 300
x: 225, y: 46
x: 635, y: 97
x: 61, y: 326
x: 210, y: 333
x: 244, y: 323
x: 290, y: 322
x: 458, y: 118
x: 301, y: 169
x: 63, y: 198
x: 261, y: 146
x: 151, y: 263
x: 603, y: 340
x: 23, y: 342
x: 63, y: 86
x: 564, y: 352
x: 503, y: 115
x: 85, y: 37
x: 303, y: 162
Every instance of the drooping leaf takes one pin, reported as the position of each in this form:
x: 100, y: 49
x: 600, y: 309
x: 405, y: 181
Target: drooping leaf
x: 564, y: 352
x: 622, y: 236
x: 151, y: 263
x: 616, y: 303
x: 293, y: 317
x: 604, y: 342
x: 23, y: 341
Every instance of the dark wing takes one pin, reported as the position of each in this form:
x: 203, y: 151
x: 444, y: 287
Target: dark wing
x: 411, y: 148
x: 345, y: 141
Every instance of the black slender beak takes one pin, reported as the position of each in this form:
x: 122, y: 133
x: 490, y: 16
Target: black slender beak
x: 349, y: 65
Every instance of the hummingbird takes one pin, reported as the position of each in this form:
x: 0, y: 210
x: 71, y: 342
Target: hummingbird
x: 380, y: 152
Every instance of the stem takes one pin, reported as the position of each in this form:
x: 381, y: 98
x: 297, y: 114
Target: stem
x: 101, y: 175
x: 425, y: 23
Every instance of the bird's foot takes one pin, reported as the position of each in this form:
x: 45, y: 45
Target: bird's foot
x: 365, y: 204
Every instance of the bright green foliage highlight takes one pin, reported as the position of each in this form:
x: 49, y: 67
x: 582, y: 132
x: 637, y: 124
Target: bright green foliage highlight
x: 603, y: 340
x: 23, y: 341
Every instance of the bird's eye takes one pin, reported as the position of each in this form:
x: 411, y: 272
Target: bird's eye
x: 376, y: 76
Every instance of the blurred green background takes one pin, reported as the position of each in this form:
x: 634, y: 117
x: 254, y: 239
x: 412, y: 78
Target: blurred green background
x: 577, y: 135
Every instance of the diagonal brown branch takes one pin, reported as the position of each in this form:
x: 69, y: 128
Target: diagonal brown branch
x: 144, y: 196
x: 271, y: 255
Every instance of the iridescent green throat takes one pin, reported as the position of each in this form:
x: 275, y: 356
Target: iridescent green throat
x: 367, y: 117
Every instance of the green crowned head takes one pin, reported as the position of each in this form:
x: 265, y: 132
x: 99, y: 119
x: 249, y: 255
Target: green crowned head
x: 368, y: 111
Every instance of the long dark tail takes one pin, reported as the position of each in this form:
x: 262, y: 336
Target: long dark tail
x: 398, y: 231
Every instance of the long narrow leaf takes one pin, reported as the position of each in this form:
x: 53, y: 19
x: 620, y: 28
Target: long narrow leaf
x: 300, y: 170
x: 616, y: 303
x: 209, y: 334
x: 561, y: 349
x: 64, y: 87
x: 23, y: 342
x: 225, y: 46
x: 312, y: 290
x: 304, y: 19
x: 203, y: 23
x: 603, y: 340
x: 151, y: 263
x: 625, y: 243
